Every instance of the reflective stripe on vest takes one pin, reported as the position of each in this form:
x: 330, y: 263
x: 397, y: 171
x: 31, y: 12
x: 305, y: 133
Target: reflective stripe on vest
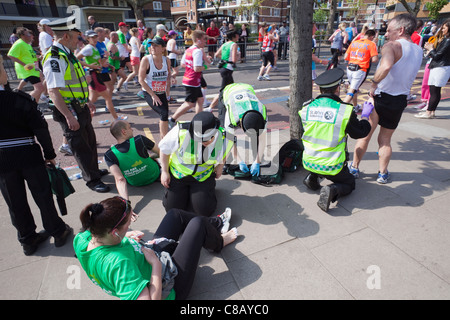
x: 186, y: 161
x: 324, y: 122
x: 240, y: 98
x: 75, y: 79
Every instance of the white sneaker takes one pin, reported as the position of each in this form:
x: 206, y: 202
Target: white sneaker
x: 206, y: 104
x: 44, y: 98
x: 208, y: 109
x: 411, y: 97
x: 226, y: 217
x: 421, y: 106
x: 266, y: 77
x: 357, y: 108
x: 260, y: 78
x: 65, y: 150
x: 125, y: 86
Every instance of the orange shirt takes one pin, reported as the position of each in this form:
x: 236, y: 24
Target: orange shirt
x: 360, y: 52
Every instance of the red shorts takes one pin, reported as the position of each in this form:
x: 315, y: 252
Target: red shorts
x: 97, y: 83
x: 135, y: 61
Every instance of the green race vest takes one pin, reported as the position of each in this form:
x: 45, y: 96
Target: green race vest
x: 324, y: 138
x: 226, y: 52
x: 187, y: 160
x: 75, y: 79
x: 94, y: 58
x: 240, y: 98
x: 137, y: 171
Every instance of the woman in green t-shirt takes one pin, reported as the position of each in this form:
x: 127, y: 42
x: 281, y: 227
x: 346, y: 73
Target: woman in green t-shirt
x: 115, y: 260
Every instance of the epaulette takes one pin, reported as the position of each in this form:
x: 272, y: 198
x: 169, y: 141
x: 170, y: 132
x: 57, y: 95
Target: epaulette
x: 184, y: 125
x: 308, y: 102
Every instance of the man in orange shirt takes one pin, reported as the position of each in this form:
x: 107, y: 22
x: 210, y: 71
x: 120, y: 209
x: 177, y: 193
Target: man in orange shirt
x: 359, y: 55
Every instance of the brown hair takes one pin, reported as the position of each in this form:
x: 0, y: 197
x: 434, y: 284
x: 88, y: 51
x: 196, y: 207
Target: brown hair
x: 101, y: 218
x: 198, y: 34
x: 117, y: 127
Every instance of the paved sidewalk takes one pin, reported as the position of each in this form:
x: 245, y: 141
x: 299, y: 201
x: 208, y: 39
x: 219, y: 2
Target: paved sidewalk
x: 381, y: 242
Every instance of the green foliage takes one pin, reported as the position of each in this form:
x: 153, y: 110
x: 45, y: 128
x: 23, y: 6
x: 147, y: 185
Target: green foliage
x: 434, y: 7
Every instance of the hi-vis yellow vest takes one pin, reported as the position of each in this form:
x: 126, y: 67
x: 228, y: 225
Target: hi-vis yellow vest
x: 240, y: 98
x: 76, y: 85
x: 324, y: 138
x: 187, y: 160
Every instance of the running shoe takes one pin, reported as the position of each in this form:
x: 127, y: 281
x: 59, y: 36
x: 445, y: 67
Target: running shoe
x: 122, y: 117
x: 66, y: 150
x: 44, y: 98
x: 383, y: 177
x: 357, y: 108
x: 140, y: 94
x: 172, y: 123
x: 125, y: 86
x: 172, y: 100
x: 354, y: 171
x: 260, y: 78
x: 411, y: 97
x: 103, y: 122
x: 421, y: 106
x: 225, y: 217
x: 266, y: 77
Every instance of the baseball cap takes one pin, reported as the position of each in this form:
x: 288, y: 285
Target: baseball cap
x: 90, y: 33
x: 161, y: 27
x: 158, y: 41
x: 44, y: 22
x: 172, y: 32
x: 122, y: 24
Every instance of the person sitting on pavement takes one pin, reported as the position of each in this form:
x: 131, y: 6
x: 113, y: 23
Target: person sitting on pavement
x: 327, y: 121
x: 192, y: 158
x: 129, y: 160
x: 120, y: 262
x: 240, y: 108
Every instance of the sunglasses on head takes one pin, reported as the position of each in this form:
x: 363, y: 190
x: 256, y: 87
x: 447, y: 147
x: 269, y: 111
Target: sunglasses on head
x: 127, y: 209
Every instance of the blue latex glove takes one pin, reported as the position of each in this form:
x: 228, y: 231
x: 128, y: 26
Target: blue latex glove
x: 367, y: 109
x: 254, y: 169
x: 243, y: 167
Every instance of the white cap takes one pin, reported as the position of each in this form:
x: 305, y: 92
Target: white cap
x: 44, y: 21
x: 161, y: 27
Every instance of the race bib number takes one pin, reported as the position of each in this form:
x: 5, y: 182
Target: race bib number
x: 159, y: 86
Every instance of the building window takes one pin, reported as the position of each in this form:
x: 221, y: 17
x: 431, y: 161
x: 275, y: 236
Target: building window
x: 157, y: 6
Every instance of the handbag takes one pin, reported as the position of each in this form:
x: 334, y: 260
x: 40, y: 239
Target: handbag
x: 61, y: 186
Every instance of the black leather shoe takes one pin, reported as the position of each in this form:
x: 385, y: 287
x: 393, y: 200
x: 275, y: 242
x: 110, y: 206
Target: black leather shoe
x: 61, y: 239
x: 101, y: 187
x: 29, y: 249
x: 103, y: 172
x: 327, y: 194
x: 312, y: 182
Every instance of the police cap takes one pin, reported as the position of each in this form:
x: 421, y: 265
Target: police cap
x: 64, y: 24
x: 330, y: 78
x: 253, y: 119
x: 204, y: 126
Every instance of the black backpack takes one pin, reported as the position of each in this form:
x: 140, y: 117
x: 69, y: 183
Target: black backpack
x: 288, y: 159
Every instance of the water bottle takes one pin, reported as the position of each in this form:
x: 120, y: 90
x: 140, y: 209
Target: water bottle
x: 75, y: 176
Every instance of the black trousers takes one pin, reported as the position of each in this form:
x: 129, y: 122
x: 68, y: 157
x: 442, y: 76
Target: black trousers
x: 344, y: 182
x: 83, y: 144
x: 12, y: 186
x: 189, y: 194
x: 195, y: 232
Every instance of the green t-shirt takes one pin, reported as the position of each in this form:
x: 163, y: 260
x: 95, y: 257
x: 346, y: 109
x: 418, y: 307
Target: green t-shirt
x: 122, y: 38
x: 24, y: 52
x: 121, y: 271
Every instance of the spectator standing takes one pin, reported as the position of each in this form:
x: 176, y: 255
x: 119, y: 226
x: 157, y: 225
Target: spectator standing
x: 439, y: 52
x: 283, y: 43
x: 92, y: 23
x: 141, y: 30
x: 213, y: 34
x: 188, y: 36
x: 391, y: 84
x: 223, y: 31
x: 243, y: 39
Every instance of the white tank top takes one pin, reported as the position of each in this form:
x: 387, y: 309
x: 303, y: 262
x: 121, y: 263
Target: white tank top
x: 174, y: 47
x: 401, y: 77
x: 157, y: 78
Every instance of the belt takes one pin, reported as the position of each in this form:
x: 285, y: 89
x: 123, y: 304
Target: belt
x: 9, y: 143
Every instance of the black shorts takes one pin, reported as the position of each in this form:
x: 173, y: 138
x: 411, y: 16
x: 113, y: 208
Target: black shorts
x: 124, y: 62
x: 268, y: 57
x: 163, y: 109
x: 227, y: 77
x: 390, y: 109
x: 173, y: 63
x: 32, y: 79
x: 203, y: 82
x: 212, y: 47
x: 193, y: 93
x: 104, y: 77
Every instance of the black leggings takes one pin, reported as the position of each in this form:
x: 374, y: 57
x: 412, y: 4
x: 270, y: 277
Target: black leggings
x: 435, y: 98
x: 195, y: 232
x: 163, y: 109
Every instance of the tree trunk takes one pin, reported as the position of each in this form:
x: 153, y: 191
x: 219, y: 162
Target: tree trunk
x: 413, y: 11
x: 330, y: 25
x: 300, y: 62
x: 139, y: 13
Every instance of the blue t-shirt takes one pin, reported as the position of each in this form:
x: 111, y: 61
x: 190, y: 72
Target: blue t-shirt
x: 101, y: 47
x: 349, y: 31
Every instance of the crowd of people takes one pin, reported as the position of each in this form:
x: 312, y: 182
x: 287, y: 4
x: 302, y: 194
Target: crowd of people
x: 75, y: 68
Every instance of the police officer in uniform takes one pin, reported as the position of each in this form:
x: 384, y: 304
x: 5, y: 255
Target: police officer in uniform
x: 21, y: 160
x: 192, y: 157
x: 240, y: 108
x: 69, y: 94
x: 326, y: 122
